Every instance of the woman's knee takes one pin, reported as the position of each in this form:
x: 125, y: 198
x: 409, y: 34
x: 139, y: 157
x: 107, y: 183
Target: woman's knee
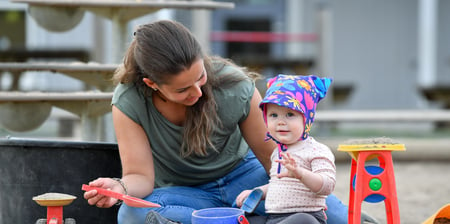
x: 131, y: 215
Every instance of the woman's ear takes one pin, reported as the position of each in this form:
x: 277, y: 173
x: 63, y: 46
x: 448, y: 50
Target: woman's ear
x: 149, y: 83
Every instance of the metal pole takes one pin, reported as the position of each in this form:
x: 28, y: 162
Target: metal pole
x: 325, y: 47
x: 201, y: 27
x: 427, y: 51
x: 295, y: 23
x: 119, y: 34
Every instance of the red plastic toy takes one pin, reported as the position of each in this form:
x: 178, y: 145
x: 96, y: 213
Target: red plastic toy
x: 372, y: 183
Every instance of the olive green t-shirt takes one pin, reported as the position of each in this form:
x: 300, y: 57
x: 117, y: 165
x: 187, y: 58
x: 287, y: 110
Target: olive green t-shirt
x: 165, y: 137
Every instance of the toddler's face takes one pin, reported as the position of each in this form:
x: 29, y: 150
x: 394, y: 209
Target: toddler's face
x: 284, y: 124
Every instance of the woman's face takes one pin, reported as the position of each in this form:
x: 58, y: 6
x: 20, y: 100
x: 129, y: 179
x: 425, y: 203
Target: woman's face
x: 284, y: 124
x: 185, y: 88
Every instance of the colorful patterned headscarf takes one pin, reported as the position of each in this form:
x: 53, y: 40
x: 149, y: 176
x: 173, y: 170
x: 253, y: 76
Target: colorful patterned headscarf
x: 299, y: 93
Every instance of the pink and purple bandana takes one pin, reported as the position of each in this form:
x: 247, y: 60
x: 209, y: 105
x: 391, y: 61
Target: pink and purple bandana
x: 299, y: 93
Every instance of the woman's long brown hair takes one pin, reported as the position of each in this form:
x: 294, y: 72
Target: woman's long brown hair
x: 163, y: 49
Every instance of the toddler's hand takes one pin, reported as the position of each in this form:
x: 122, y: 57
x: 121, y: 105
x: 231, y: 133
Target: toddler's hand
x: 241, y: 197
x: 293, y: 170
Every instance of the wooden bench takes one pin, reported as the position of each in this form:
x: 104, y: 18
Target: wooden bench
x: 88, y: 105
x: 98, y: 75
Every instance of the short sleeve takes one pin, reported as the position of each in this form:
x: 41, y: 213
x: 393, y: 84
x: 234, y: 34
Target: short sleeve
x: 234, y: 102
x: 128, y: 100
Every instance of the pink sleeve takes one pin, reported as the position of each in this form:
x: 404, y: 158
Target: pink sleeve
x: 324, y: 166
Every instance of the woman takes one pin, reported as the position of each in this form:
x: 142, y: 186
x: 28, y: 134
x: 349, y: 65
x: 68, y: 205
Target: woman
x: 188, y: 126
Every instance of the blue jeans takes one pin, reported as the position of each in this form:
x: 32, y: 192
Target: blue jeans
x: 178, y: 202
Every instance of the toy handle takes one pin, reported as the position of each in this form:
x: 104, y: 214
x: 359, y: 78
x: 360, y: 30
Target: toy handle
x: 103, y: 191
x: 130, y: 201
x: 242, y: 220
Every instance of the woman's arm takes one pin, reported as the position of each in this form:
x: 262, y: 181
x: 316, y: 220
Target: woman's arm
x: 136, y: 155
x: 254, y: 132
x: 137, y: 163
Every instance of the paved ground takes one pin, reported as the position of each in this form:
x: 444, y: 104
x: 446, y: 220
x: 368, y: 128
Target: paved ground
x: 422, y: 188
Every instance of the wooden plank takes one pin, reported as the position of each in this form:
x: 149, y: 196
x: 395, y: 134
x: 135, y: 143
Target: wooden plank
x: 57, y: 67
x: 98, y: 75
x: 413, y: 115
x: 54, y: 96
x: 150, y: 4
x: 21, y: 55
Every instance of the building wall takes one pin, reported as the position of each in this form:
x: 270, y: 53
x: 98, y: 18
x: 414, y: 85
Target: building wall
x: 443, y: 61
x: 374, y: 46
x: 375, y: 49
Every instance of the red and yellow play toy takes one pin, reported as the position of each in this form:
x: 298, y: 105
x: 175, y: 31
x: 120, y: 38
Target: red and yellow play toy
x: 372, y: 183
x: 54, y: 203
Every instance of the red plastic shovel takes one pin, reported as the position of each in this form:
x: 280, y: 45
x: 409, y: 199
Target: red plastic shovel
x: 130, y: 201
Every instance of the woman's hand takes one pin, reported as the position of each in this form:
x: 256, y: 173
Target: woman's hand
x: 99, y: 200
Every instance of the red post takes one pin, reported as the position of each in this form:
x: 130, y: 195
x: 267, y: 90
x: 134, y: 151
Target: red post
x: 362, y: 187
x: 54, y: 214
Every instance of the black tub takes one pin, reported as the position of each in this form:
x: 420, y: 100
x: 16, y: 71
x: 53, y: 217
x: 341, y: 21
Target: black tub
x: 32, y: 167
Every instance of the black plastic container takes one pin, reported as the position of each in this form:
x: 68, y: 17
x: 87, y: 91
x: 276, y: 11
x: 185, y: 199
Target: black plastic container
x: 31, y: 167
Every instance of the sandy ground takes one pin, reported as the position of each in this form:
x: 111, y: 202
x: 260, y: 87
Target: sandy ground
x: 422, y: 188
